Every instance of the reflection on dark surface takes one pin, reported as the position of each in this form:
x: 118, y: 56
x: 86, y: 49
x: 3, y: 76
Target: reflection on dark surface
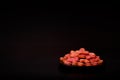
x: 72, y: 73
x: 32, y: 41
x: 82, y: 70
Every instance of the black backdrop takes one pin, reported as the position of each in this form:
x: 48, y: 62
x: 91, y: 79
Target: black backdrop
x: 33, y: 39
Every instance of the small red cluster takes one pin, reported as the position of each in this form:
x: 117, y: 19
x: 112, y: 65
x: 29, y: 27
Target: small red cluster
x: 81, y: 57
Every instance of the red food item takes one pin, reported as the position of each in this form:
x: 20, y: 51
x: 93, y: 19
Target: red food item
x: 92, y: 55
x: 88, y: 64
x: 80, y: 64
x: 100, y: 61
x: 81, y: 60
x: 73, y: 55
x: 86, y: 52
x: 77, y: 51
x: 94, y: 63
x: 70, y: 59
x: 92, y: 60
x: 88, y: 57
x: 97, y: 58
x: 82, y: 49
x: 72, y: 51
x: 61, y: 58
x: 86, y: 61
x: 76, y: 58
x: 67, y: 62
x: 74, y: 63
x: 81, y: 57
x: 66, y: 56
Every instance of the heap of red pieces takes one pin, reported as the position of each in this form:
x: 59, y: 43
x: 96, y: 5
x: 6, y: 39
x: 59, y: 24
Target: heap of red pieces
x: 81, y: 57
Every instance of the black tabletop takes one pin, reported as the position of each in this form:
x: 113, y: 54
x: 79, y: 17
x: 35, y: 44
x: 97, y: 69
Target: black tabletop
x: 33, y: 40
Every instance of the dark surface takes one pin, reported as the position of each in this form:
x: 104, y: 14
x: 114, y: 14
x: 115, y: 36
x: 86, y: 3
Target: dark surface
x: 33, y: 39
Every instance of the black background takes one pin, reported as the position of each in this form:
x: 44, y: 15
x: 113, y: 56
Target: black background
x: 35, y: 36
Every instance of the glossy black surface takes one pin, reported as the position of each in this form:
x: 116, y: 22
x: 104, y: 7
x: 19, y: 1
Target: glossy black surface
x: 33, y: 39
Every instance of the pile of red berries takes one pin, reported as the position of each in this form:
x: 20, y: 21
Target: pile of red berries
x: 81, y: 57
